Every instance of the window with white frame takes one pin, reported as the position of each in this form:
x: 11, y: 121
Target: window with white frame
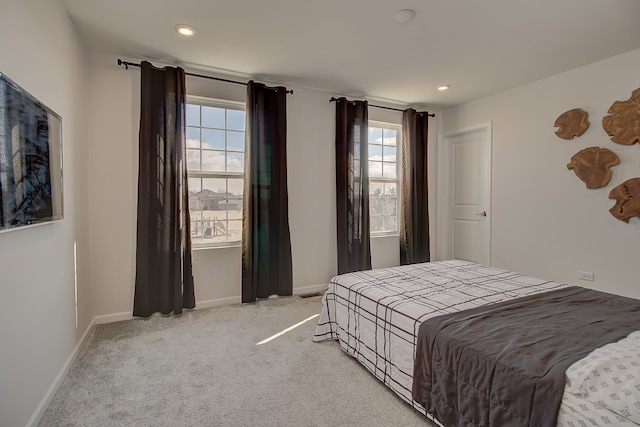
x: 384, y: 143
x: 215, y: 163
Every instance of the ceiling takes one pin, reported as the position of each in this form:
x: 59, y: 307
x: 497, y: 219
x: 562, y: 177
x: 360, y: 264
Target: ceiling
x: 356, y: 48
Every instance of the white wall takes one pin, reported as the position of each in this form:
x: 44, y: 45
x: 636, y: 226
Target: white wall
x: 544, y: 220
x: 217, y: 272
x: 113, y: 155
x: 41, y: 52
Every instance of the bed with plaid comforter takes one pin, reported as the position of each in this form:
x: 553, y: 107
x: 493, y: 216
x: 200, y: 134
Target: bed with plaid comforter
x: 375, y: 316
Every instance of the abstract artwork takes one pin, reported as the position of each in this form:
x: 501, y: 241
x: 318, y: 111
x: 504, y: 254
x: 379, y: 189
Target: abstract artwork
x: 593, y: 165
x: 30, y: 159
x: 623, y: 125
x: 572, y: 123
x: 627, y: 197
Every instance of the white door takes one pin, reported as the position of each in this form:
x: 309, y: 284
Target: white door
x: 464, y: 195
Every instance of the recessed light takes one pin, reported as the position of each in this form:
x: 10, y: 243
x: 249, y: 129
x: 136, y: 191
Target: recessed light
x: 404, y: 15
x: 443, y: 88
x: 186, y: 30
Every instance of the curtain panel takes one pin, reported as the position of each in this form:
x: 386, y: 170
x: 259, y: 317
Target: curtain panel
x: 164, y: 280
x: 266, y: 243
x: 414, y: 206
x: 352, y: 186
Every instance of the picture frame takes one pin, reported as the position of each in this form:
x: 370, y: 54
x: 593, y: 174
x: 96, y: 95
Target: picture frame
x: 31, y: 185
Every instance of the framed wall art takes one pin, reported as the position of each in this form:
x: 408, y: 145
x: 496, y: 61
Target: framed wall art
x: 30, y: 159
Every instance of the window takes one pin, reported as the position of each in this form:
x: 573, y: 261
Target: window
x: 384, y: 140
x: 215, y: 164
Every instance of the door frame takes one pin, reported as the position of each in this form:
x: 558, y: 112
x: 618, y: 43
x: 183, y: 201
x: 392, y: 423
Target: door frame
x: 445, y: 230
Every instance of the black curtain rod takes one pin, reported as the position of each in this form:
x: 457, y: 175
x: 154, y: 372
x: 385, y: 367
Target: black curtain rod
x: 333, y: 99
x: 133, y: 64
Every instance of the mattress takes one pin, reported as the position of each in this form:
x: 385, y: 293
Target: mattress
x: 375, y: 316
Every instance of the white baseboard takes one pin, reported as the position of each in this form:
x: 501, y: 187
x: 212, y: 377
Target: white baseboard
x: 115, y: 317
x: 57, y: 382
x: 118, y: 317
x: 238, y: 300
x: 218, y: 302
x: 311, y: 289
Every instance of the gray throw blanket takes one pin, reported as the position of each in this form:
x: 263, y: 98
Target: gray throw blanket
x: 503, y: 364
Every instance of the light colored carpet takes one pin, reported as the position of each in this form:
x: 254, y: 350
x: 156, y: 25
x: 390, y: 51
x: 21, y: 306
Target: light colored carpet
x: 204, y: 369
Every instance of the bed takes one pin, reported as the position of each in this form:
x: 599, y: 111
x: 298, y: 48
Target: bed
x: 376, y: 316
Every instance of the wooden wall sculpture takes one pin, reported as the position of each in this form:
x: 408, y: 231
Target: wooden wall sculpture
x: 627, y: 196
x: 593, y: 165
x: 572, y: 123
x: 623, y: 126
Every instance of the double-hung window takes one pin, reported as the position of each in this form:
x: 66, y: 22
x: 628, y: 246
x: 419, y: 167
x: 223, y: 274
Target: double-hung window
x: 215, y: 163
x: 384, y: 143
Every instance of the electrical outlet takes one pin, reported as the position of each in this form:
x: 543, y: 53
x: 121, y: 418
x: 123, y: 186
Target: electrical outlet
x: 585, y: 275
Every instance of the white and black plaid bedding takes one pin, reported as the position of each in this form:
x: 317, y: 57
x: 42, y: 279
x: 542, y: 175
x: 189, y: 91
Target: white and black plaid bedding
x: 375, y: 315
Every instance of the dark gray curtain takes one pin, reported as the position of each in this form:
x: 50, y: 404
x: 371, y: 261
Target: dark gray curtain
x: 266, y: 243
x: 164, y: 280
x: 414, y: 206
x: 352, y: 186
